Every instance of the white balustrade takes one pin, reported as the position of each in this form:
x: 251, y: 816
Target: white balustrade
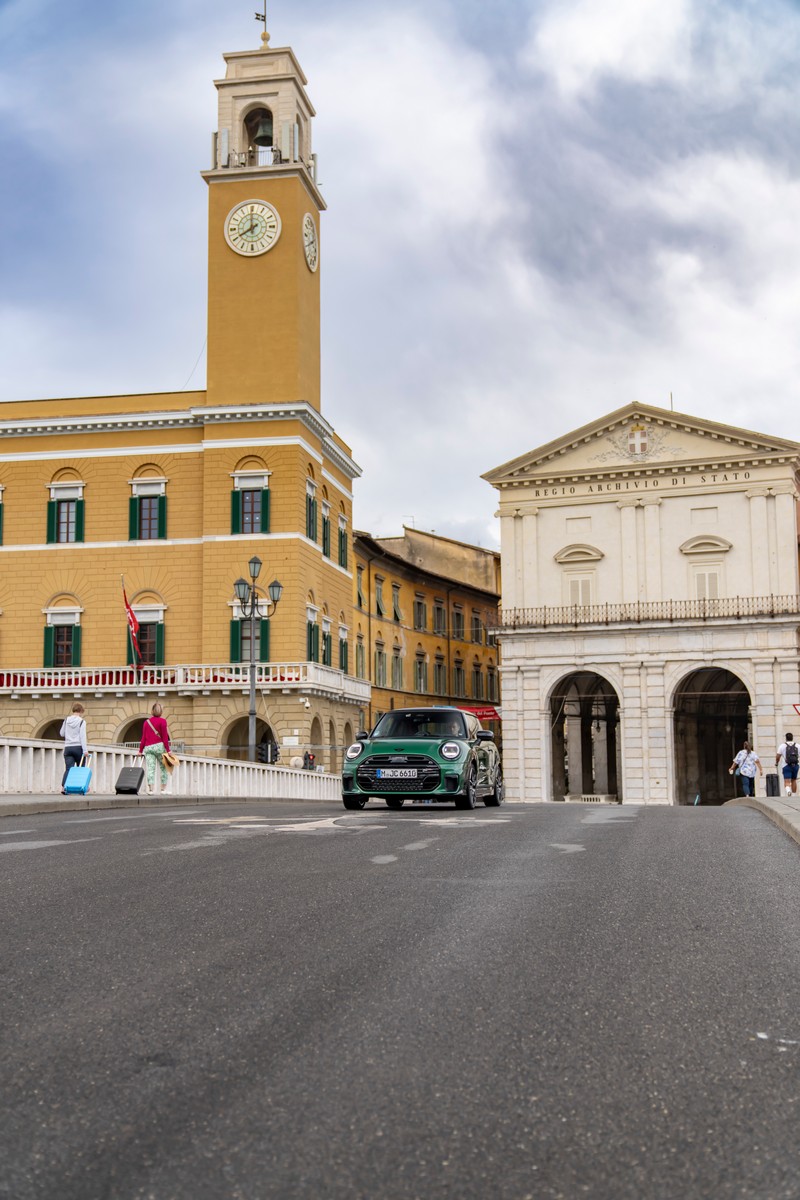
x: 36, y: 767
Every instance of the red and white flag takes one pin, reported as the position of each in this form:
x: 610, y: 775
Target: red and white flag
x: 133, y: 623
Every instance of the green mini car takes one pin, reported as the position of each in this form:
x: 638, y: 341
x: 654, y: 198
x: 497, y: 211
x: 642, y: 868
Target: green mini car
x: 424, y: 754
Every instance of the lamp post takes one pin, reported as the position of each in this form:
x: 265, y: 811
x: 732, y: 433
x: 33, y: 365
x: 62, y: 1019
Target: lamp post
x: 249, y: 597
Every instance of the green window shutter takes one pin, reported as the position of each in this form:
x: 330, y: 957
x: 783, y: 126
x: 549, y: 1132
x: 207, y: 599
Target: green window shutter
x: 236, y: 513
x: 343, y: 655
x: 160, y: 643
x: 49, y: 645
x: 265, y: 510
x: 1, y: 523
x: 76, y: 645
x: 131, y: 654
x: 236, y: 640
x: 263, y: 640
x: 315, y: 643
x: 133, y: 518
x: 309, y: 641
x: 80, y: 519
x: 52, y: 518
x: 162, y: 516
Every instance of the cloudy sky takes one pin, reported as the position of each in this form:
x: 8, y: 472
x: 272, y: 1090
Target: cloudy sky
x: 539, y: 210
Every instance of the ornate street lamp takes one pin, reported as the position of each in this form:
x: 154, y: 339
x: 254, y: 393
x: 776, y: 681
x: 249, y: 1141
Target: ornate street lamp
x: 250, y: 599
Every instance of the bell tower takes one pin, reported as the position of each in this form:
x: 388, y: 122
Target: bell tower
x: 263, y: 230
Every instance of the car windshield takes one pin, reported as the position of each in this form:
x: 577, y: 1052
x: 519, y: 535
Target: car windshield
x: 421, y: 724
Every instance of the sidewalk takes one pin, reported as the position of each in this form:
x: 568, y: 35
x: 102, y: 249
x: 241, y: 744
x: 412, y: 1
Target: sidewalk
x: 783, y: 811
x: 28, y: 805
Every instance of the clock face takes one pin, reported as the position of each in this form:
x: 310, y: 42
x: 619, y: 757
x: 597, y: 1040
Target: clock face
x: 252, y: 228
x: 310, y: 245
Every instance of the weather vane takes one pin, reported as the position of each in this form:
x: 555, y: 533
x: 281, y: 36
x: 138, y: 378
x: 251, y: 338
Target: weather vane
x: 263, y: 17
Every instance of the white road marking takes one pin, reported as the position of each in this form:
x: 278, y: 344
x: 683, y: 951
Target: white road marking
x: 14, y: 832
x: 7, y: 846
x: 566, y: 848
x: 129, y: 816
x: 384, y: 858
x: 419, y: 845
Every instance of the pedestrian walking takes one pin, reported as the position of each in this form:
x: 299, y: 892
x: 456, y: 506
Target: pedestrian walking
x: 73, y: 731
x: 788, y: 751
x: 747, y: 761
x: 154, y: 743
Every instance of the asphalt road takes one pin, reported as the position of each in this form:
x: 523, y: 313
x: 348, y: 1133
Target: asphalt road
x: 294, y: 1001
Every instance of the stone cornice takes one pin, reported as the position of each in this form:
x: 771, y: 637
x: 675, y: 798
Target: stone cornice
x: 201, y: 417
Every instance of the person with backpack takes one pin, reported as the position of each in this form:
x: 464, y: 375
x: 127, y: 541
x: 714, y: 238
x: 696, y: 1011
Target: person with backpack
x: 788, y: 751
x: 747, y: 760
x: 73, y: 731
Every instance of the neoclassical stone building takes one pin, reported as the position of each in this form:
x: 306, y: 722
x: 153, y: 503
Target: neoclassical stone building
x: 650, y: 607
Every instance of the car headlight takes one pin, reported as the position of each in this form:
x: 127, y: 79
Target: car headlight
x: 354, y: 750
x: 450, y: 750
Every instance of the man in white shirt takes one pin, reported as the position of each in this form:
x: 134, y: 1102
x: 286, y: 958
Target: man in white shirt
x: 789, y: 752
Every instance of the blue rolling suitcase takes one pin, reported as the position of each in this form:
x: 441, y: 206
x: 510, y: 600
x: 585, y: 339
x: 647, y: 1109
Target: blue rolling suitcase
x: 79, y: 778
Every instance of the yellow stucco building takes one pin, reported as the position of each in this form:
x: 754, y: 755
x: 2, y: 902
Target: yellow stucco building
x: 177, y: 491
x: 425, y: 608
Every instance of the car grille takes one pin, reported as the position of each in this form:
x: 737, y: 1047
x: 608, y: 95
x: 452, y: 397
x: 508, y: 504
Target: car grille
x: 428, y: 774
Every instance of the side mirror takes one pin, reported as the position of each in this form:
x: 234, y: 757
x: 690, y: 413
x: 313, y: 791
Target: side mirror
x: 485, y: 735
x: 362, y: 736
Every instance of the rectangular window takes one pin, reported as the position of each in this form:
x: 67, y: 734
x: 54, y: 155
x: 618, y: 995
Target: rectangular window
x: 477, y: 683
x: 147, y: 512
x: 396, y: 613
x: 440, y: 677
x: 1, y: 520
x: 311, y: 517
x: 240, y: 640
x: 459, y: 680
x: 361, y: 660
x: 250, y: 510
x: 327, y: 649
x: 706, y: 583
x: 458, y: 624
x: 420, y: 613
x: 326, y: 534
x: 342, y: 545
x: 420, y: 675
x: 477, y: 628
x: 62, y: 646
x: 65, y: 521
x: 343, y: 655
x: 380, y: 607
x: 579, y: 590
x: 312, y: 641
x: 439, y: 618
x: 151, y: 644
x: 360, y: 587
x: 380, y: 667
x: 491, y: 681
x: 397, y: 671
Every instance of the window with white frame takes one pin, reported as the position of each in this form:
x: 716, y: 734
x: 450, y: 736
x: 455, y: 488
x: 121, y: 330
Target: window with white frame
x: 62, y: 637
x: 65, y: 513
x: 147, y: 509
x: 250, y: 502
x: 579, y: 588
x: 397, y: 669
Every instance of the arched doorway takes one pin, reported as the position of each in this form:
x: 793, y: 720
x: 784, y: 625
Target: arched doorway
x: 51, y: 732
x: 712, y: 719
x: 237, y: 743
x: 584, y: 723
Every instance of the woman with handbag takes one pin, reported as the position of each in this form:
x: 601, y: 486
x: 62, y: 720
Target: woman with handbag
x: 154, y: 745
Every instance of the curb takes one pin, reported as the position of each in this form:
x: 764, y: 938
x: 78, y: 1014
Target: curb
x: 785, y: 816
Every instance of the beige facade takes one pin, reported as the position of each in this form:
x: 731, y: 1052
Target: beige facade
x: 650, y: 607
x: 424, y: 609
x: 177, y: 491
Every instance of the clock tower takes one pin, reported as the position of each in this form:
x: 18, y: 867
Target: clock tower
x: 263, y: 249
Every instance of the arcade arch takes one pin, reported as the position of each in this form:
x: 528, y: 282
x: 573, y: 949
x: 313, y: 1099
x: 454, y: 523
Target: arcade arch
x: 584, y: 732
x: 711, y: 718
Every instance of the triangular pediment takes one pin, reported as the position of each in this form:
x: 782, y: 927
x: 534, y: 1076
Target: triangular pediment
x: 639, y: 436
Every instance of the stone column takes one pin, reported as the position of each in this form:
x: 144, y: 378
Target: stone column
x: 629, y: 564
x: 512, y: 566
x: 655, y: 736
x: 652, y: 548
x: 530, y: 552
x: 786, y: 538
x: 633, y: 766
x: 759, y: 544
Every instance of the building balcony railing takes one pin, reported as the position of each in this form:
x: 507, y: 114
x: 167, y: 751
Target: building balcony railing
x: 308, y: 678
x: 724, y: 608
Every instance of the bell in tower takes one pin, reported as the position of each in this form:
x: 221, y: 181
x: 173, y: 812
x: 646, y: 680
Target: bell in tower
x: 259, y: 127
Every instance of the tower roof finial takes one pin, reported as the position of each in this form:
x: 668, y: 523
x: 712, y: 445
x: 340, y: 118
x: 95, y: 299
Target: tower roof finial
x: 263, y: 17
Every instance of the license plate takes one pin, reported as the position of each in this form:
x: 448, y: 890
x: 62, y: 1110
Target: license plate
x: 396, y: 773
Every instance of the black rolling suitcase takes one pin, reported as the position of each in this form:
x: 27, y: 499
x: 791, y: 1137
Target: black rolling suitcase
x: 773, y: 786
x: 129, y: 781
